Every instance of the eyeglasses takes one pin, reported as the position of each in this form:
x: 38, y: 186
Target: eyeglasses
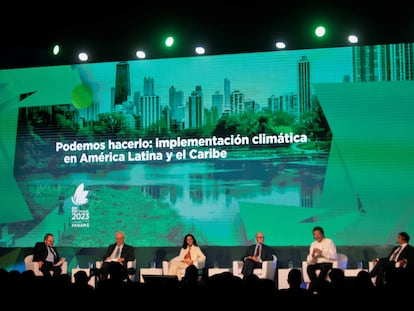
x: 260, y: 236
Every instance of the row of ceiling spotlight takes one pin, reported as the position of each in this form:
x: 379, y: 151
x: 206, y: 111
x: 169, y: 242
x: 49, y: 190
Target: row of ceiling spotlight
x: 320, y: 31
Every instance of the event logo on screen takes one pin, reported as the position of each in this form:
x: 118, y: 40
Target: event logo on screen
x: 80, y: 214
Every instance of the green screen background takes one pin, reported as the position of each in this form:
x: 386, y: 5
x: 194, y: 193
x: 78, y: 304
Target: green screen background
x: 359, y: 189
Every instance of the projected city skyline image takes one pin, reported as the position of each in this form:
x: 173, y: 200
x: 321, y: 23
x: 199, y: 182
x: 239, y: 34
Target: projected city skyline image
x: 220, y: 146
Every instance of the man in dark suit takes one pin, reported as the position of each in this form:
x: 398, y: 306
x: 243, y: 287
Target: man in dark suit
x: 116, y: 258
x: 255, y: 255
x: 48, y: 257
x: 396, y: 268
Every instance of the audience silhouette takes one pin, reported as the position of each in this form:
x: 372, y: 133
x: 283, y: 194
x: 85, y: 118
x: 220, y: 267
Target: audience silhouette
x: 255, y: 291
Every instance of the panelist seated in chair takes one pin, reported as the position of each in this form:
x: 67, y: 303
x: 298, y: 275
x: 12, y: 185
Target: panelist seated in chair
x: 321, y: 256
x: 117, y: 253
x: 255, y: 255
x: 396, y: 269
x: 190, y: 254
x: 48, y: 257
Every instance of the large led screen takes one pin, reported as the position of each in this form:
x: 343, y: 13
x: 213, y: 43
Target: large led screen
x: 220, y: 146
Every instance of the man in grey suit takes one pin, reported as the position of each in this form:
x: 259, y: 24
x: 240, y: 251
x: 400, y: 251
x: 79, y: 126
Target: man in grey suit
x: 255, y: 254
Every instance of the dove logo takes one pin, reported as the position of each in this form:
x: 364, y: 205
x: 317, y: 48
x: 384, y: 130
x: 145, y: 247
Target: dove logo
x: 80, y: 196
x: 80, y: 216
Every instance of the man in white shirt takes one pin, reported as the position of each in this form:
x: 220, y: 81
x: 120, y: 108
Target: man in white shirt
x: 322, y: 253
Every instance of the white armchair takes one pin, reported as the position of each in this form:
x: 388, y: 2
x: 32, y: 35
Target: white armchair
x: 166, y: 265
x: 130, y: 264
x: 267, y: 271
x: 341, y: 262
x: 34, y: 266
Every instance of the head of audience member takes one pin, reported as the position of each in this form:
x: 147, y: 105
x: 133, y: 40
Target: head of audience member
x: 294, y: 278
x: 364, y: 280
x: 81, y: 277
x: 337, y: 277
x: 191, y: 274
x: 117, y: 273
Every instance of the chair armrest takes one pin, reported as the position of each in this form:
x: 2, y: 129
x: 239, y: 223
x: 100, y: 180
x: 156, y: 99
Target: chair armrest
x: 35, y: 268
x: 341, y: 262
x: 200, y: 264
x: 267, y: 265
x: 305, y: 272
x: 131, y: 264
x: 64, y: 267
x: 237, y: 266
x: 165, y: 266
x: 268, y: 269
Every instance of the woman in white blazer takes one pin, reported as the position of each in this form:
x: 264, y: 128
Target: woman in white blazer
x: 190, y: 254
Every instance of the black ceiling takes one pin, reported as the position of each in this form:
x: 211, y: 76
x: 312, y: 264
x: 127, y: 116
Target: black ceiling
x: 114, y: 31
